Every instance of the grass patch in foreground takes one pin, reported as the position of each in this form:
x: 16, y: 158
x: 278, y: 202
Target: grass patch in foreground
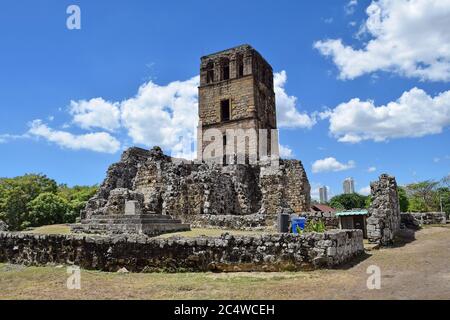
x: 17, y: 282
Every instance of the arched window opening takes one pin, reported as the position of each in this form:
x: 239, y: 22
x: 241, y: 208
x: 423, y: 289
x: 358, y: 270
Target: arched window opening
x: 210, y: 72
x: 225, y: 69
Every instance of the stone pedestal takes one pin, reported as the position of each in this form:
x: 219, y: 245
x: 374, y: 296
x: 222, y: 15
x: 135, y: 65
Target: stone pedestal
x: 132, y: 208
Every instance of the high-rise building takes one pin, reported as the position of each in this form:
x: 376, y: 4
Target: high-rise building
x: 349, y: 186
x: 323, y: 194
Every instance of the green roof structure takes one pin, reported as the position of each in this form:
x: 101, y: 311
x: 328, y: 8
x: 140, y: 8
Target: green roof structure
x: 352, y: 213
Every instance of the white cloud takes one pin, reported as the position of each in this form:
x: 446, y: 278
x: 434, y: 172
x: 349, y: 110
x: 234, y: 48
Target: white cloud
x: 166, y: 115
x: 350, y: 7
x: 4, y: 138
x: 161, y: 115
x: 436, y: 159
x: 315, y: 193
x: 372, y: 169
x: 288, y: 114
x: 410, y: 38
x: 286, y: 152
x: 99, y: 142
x: 95, y: 113
x: 331, y: 164
x: 414, y: 114
x: 365, y: 191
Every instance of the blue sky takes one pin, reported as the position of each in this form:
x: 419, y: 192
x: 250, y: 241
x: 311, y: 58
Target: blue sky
x: 330, y: 51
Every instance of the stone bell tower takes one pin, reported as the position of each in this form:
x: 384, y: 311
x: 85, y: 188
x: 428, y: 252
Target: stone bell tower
x: 236, y: 92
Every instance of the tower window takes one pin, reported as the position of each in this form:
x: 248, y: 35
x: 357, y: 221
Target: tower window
x: 225, y: 64
x: 226, y: 72
x: 210, y: 76
x: 225, y: 110
x: 241, y: 70
x: 210, y: 72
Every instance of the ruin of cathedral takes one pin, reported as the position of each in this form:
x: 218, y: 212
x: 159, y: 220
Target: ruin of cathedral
x: 151, y: 193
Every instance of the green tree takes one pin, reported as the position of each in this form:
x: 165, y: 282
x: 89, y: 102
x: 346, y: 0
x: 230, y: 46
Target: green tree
x: 403, y: 199
x: 34, y: 199
x: 14, y: 208
x: 77, y: 198
x: 446, y: 182
x: 31, y: 184
x: 368, y: 202
x: 416, y: 204
x: 444, y: 196
x: 16, y: 193
x: 423, y: 196
x: 47, y: 208
x: 348, y: 201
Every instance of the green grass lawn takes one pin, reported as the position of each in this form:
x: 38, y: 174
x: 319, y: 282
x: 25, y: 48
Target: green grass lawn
x: 52, y: 229
x: 195, y: 232
x: 19, y: 282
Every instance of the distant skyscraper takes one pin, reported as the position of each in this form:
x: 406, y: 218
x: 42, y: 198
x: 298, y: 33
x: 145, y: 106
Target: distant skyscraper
x: 349, y: 186
x: 323, y: 194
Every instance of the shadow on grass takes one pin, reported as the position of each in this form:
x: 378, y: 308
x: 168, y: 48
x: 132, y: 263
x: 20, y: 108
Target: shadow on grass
x: 403, y: 237
x: 353, y: 262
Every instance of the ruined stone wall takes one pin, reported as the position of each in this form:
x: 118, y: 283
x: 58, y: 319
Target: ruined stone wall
x: 277, y: 252
x: 163, y: 185
x: 119, y: 175
x: 384, y: 212
x: 255, y: 222
x: 284, y: 187
x: 3, y: 226
x: 297, y: 188
x: 416, y: 219
x: 228, y: 222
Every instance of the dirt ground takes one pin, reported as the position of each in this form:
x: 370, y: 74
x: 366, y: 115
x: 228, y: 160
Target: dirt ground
x: 415, y: 269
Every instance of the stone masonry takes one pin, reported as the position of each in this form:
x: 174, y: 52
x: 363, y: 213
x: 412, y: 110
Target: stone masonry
x: 3, y: 226
x: 384, y: 212
x: 276, y: 252
x: 414, y: 220
x: 158, y: 184
x: 118, y: 208
x: 147, y: 187
x: 236, y: 92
